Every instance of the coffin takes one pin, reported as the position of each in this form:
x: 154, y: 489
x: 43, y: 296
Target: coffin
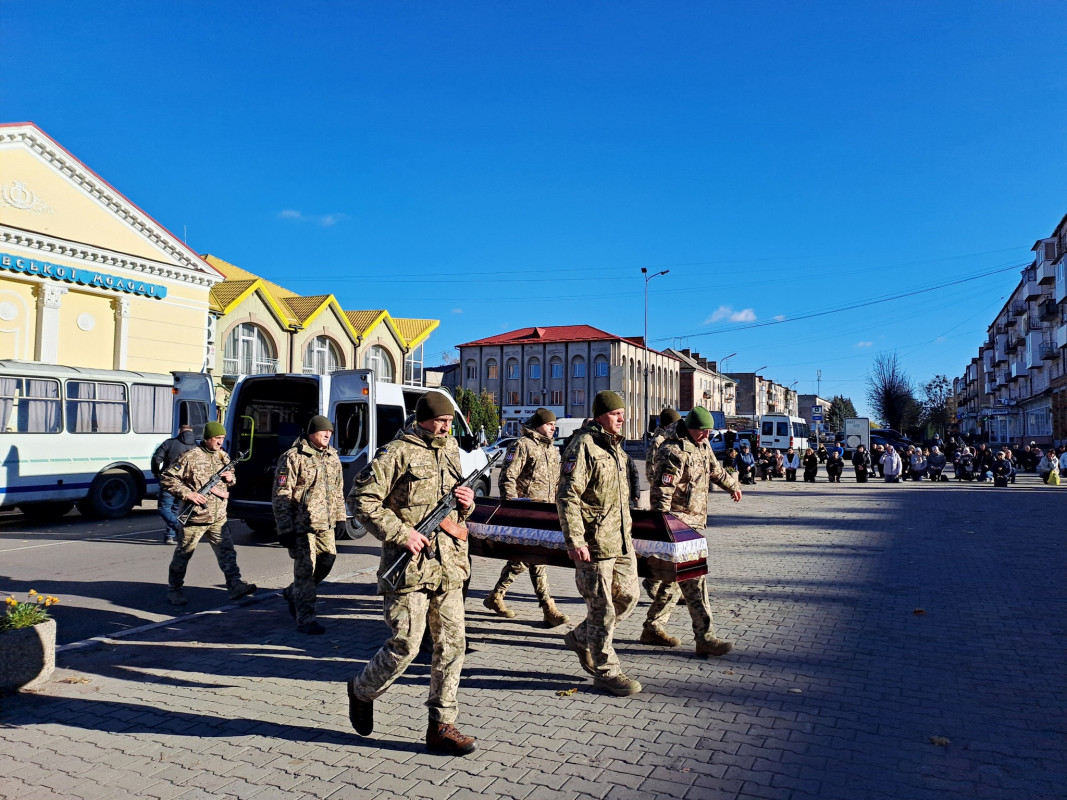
x: 521, y: 530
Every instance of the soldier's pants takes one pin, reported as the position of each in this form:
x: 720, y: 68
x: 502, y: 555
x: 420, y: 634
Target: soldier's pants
x: 407, y: 615
x: 313, y: 554
x: 610, y: 590
x: 217, y: 534
x: 665, y: 597
x: 538, y: 577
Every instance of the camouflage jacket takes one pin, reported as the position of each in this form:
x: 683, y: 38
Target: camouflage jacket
x: 189, y: 473
x: 308, y: 493
x: 403, y: 483
x: 531, y: 468
x: 661, y: 434
x: 594, y: 494
x: 682, y: 475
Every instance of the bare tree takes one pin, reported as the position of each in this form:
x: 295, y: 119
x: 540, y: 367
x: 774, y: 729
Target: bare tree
x: 937, y: 393
x: 890, y: 393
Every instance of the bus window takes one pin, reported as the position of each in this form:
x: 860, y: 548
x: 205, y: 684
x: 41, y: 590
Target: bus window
x: 94, y: 407
x: 768, y: 428
x: 390, y: 419
x: 352, y: 432
x: 151, y: 408
x: 194, y: 414
x: 29, y: 405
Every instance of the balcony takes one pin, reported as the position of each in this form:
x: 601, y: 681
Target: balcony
x: 1031, y: 324
x: 1018, y: 309
x: 1061, y: 335
x: 249, y: 366
x: 1048, y: 309
x: 1015, y: 341
x: 1046, y: 272
x: 1048, y: 351
x: 1031, y: 289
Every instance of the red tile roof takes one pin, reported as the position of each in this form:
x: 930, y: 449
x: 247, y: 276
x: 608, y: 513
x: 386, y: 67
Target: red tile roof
x: 557, y: 333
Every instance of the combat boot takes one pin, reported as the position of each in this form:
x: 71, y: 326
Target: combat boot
x: 661, y: 638
x: 495, y: 603
x: 176, y: 597
x: 553, y: 616
x: 240, y: 589
x: 444, y: 738
x: 360, y: 712
x: 584, y: 656
x: 618, y: 685
x: 713, y: 647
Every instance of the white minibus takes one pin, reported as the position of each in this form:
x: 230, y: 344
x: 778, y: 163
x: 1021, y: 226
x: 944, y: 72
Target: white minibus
x: 781, y: 431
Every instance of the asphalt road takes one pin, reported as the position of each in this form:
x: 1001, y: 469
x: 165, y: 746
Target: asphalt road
x: 111, y: 576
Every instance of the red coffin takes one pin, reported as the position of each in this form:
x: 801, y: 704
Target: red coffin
x: 521, y: 530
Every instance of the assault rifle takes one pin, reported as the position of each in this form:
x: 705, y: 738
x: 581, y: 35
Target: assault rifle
x: 434, y: 522
x: 189, y: 508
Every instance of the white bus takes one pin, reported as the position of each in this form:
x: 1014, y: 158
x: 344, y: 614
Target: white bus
x: 86, y: 436
x: 780, y: 431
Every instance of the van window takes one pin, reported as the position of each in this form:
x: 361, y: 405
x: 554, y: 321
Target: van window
x: 800, y: 429
x: 194, y: 413
x: 352, y: 431
x: 768, y: 428
x: 390, y: 419
x: 783, y: 429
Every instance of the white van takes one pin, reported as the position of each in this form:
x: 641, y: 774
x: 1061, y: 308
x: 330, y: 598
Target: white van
x: 780, y: 431
x: 268, y: 413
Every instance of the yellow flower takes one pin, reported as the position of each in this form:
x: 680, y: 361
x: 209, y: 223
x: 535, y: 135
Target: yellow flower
x: 11, y: 601
x: 33, y: 592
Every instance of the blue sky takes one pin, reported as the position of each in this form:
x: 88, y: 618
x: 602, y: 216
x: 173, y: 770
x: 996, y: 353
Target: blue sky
x: 496, y: 165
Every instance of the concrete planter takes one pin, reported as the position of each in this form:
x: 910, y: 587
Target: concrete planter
x: 27, y: 657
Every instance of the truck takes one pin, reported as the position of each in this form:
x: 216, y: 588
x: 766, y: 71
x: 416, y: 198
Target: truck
x: 268, y: 413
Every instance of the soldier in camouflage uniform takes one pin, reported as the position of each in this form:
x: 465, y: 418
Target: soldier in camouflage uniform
x: 594, y: 512
x: 684, y: 468
x: 183, y: 479
x: 667, y: 418
x: 406, y: 479
x: 531, y: 470
x: 309, y: 501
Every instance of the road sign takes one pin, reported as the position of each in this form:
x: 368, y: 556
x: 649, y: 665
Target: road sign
x: 816, y: 417
x: 816, y: 409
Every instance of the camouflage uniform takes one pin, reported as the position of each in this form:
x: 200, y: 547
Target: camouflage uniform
x: 654, y: 441
x: 192, y: 470
x: 594, y: 512
x: 308, y: 500
x: 403, y: 483
x: 531, y: 470
x: 681, y: 478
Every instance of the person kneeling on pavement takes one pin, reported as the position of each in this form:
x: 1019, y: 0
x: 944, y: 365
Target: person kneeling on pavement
x: 683, y: 473
x: 186, y: 476
x: 309, y: 500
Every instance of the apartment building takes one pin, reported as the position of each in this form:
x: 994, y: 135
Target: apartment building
x: 563, y: 367
x: 701, y: 384
x: 1015, y: 389
x: 756, y: 396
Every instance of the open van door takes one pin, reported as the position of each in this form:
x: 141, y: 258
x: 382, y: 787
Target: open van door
x: 194, y: 401
x: 351, y: 407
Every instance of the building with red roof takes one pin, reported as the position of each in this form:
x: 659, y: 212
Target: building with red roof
x: 562, y: 367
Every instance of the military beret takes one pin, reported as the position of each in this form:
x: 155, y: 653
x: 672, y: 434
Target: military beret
x: 606, y: 401
x: 319, y: 423
x: 541, y: 416
x: 431, y: 405
x: 213, y: 429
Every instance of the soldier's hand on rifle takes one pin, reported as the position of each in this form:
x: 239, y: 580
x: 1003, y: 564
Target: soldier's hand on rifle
x: 465, y: 496
x: 416, y: 541
x: 228, y: 477
x: 581, y: 554
x: 196, y: 497
x: 220, y: 491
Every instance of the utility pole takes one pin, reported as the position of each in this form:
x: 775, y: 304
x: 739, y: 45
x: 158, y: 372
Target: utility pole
x: 644, y: 422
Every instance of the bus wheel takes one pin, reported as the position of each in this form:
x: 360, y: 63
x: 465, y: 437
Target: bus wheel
x: 112, y: 495
x: 350, y: 529
x: 45, y: 512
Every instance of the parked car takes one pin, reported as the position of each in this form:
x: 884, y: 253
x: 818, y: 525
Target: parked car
x: 503, y: 443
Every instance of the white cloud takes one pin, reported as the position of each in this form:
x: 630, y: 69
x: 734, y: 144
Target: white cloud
x: 780, y: 318
x: 322, y: 220
x: 457, y: 310
x: 728, y: 313
x: 864, y: 344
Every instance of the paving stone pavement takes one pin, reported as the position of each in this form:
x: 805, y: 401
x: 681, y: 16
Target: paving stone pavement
x: 892, y: 641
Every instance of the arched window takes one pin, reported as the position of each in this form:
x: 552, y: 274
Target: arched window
x: 491, y: 373
x: 600, y: 367
x: 321, y: 356
x: 577, y: 367
x: 248, y: 351
x: 377, y: 359
x: 472, y: 370
x: 513, y: 369
x: 556, y: 367
x: 535, y: 369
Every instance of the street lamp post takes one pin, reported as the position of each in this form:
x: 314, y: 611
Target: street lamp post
x: 644, y: 271
x: 721, y: 369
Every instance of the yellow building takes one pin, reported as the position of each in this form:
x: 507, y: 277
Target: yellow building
x: 261, y: 327
x: 87, y: 279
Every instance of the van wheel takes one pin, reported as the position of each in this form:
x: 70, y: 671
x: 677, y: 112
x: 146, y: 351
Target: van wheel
x: 350, y: 529
x: 262, y: 530
x: 46, y: 512
x: 482, y: 489
x: 111, y: 495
